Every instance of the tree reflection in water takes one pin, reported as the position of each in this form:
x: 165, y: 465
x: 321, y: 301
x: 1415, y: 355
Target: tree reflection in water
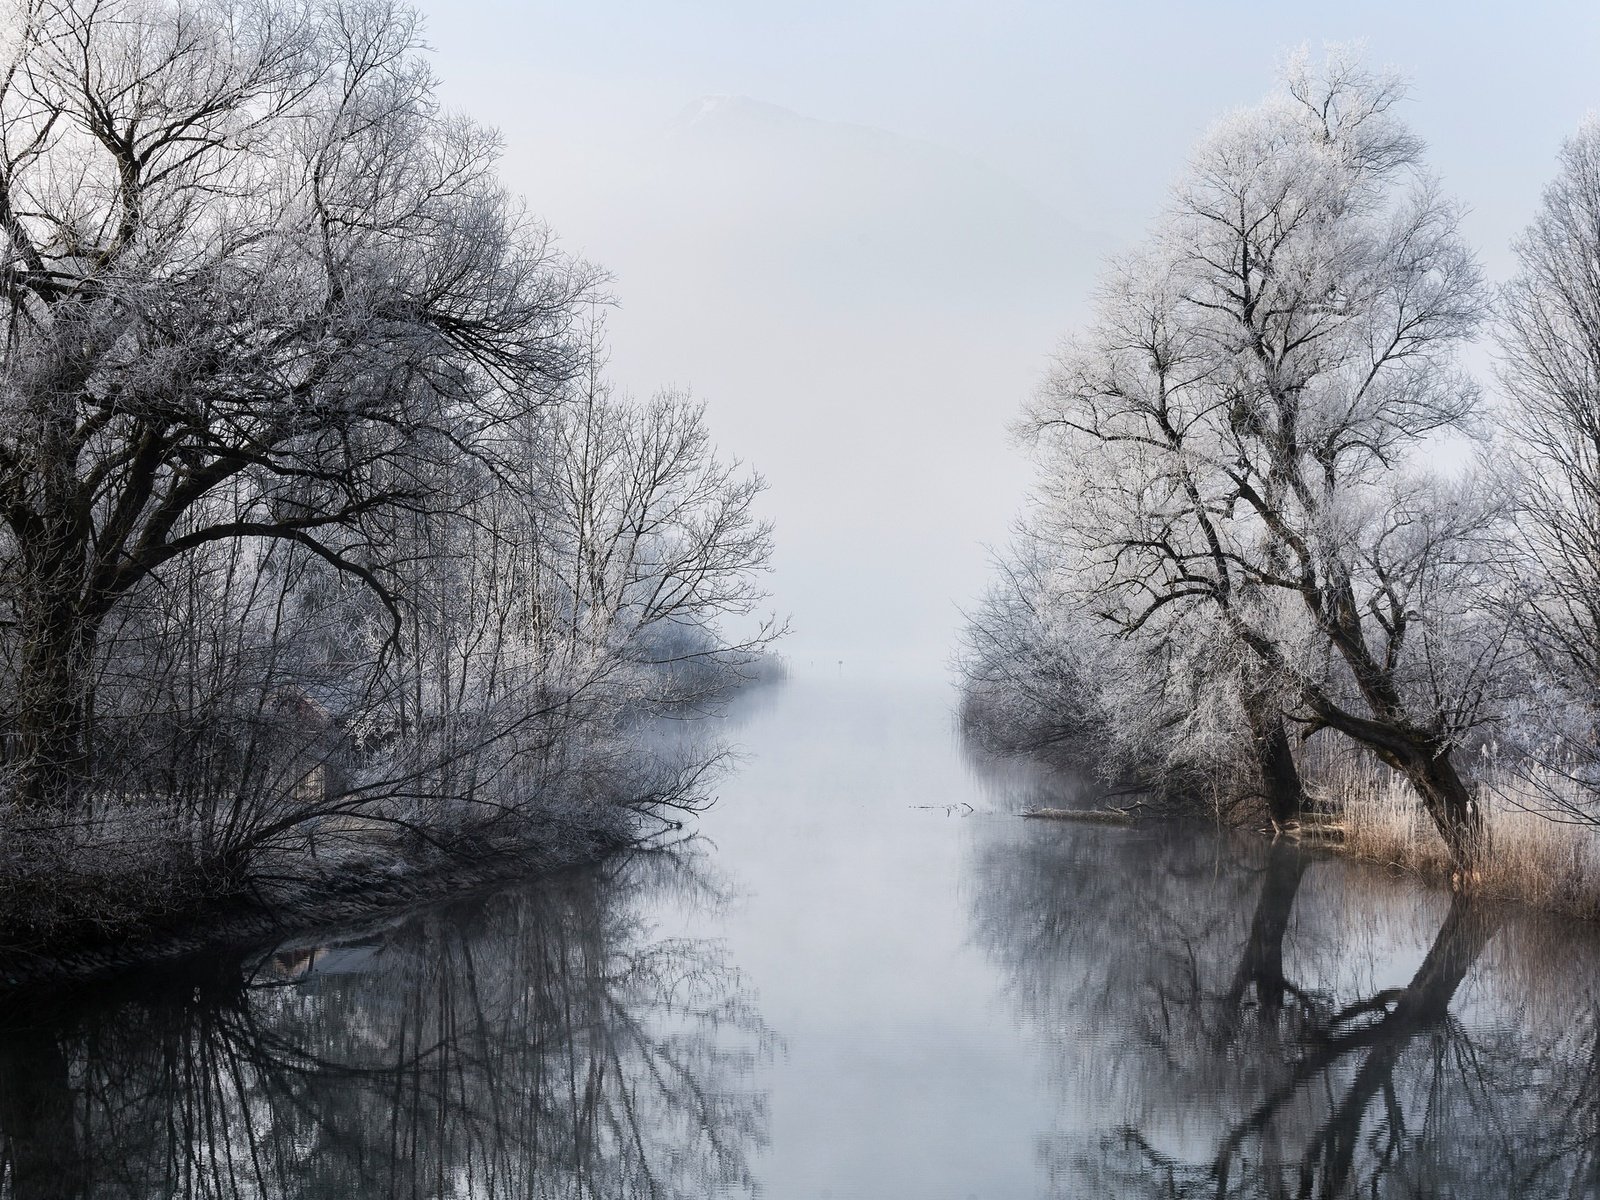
x: 535, y: 1043
x: 1243, y: 1041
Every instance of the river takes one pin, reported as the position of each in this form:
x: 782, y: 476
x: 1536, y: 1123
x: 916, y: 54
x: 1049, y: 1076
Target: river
x: 864, y: 976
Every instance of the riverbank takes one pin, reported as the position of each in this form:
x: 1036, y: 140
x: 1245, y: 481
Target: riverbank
x: 1541, y: 850
x: 865, y: 928
x: 59, y: 929
x: 1535, y: 853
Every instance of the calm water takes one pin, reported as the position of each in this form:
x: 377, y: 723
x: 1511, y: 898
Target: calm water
x: 866, y: 978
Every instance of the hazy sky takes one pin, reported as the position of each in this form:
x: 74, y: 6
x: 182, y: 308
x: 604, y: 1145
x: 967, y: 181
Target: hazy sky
x: 862, y: 251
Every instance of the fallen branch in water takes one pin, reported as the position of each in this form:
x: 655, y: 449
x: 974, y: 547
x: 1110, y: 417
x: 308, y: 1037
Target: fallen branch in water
x: 1099, y: 816
x: 1313, y: 829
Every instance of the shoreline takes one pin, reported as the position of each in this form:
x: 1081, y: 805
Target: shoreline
x: 352, y: 895
x: 1542, y: 838
x: 1384, y: 831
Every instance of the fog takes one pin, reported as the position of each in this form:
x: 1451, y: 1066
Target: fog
x: 858, y: 230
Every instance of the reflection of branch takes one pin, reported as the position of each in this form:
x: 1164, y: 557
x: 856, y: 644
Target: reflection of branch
x: 1378, y: 1002
x: 1261, y: 964
x: 1421, y: 1005
x: 1139, y: 943
x: 534, y: 1041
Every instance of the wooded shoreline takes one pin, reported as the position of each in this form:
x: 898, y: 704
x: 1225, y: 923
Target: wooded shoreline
x: 1288, y: 550
x: 325, y: 902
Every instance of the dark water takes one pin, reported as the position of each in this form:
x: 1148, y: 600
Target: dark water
x: 868, y: 978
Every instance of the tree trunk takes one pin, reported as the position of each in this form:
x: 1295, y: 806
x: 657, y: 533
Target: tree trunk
x: 1448, y: 801
x: 1426, y: 764
x: 1280, y: 777
x: 52, y: 688
x: 54, y: 546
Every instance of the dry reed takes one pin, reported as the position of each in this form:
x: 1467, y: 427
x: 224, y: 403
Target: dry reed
x: 1535, y: 852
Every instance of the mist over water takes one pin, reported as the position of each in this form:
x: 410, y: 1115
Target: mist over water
x: 864, y: 976
x: 857, y: 233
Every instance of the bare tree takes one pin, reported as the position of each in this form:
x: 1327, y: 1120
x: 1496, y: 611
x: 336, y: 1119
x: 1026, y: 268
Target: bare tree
x: 1550, y: 370
x: 1154, y: 710
x: 1231, y: 437
x: 658, y: 535
x: 250, y: 269
x: 324, y: 547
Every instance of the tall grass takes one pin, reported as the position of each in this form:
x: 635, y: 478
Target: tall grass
x: 1535, y: 851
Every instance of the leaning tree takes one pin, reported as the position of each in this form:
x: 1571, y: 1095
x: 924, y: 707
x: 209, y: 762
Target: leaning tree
x: 252, y: 273
x: 1235, y: 436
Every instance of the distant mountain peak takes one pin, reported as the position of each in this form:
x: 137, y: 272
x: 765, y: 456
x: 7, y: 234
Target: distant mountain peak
x: 730, y: 111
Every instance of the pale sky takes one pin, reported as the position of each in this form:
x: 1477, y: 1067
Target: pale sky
x: 863, y: 253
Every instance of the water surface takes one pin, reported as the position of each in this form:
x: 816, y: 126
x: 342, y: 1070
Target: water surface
x: 866, y: 976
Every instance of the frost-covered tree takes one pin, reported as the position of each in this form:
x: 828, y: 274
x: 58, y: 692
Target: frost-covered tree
x: 1132, y: 512
x: 1550, y: 371
x: 322, y: 541
x: 659, y: 543
x: 1034, y: 663
x: 1232, y: 437
x: 250, y: 269
x: 1164, y: 709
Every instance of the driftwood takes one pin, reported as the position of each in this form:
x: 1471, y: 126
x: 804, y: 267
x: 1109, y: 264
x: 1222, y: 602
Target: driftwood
x: 1312, y: 829
x: 1097, y: 816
